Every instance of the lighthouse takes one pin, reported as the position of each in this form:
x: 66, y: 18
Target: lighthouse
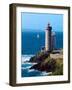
x: 53, y: 41
x: 48, y: 38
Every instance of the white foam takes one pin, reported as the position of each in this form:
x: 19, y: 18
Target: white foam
x: 44, y: 73
x: 25, y: 58
x: 30, y: 70
x: 26, y: 67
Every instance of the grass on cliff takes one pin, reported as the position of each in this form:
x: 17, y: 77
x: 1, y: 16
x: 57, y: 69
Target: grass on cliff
x: 48, y: 64
x: 56, y: 65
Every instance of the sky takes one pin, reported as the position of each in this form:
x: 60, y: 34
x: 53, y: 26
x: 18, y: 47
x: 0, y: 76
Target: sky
x: 39, y: 21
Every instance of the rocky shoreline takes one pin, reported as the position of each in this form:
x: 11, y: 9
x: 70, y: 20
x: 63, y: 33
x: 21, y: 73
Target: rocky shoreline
x: 48, y: 64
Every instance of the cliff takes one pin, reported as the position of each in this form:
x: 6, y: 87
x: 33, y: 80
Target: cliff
x: 48, y: 64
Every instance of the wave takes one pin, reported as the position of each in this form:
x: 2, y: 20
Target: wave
x: 31, y: 70
x: 44, y: 74
x: 26, y: 58
x: 26, y: 67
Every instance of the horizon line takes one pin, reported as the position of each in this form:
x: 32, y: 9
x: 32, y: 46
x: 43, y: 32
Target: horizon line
x: 37, y: 30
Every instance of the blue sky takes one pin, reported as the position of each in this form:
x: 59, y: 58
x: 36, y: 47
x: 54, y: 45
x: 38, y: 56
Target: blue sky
x: 39, y: 21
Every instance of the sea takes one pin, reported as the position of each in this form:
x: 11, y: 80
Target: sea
x: 31, y: 43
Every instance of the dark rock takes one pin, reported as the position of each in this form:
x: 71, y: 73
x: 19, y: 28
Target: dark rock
x: 48, y: 67
x: 39, y: 58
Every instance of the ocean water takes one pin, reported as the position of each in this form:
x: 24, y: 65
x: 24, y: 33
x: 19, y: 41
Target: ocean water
x: 25, y: 68
x: 32, y: 42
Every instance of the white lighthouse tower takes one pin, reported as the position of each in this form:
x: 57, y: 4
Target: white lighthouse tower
x: 48, y: 38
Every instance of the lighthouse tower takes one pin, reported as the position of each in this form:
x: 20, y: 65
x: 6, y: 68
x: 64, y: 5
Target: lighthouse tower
x: 48, y: 38
x: 53, y: 41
